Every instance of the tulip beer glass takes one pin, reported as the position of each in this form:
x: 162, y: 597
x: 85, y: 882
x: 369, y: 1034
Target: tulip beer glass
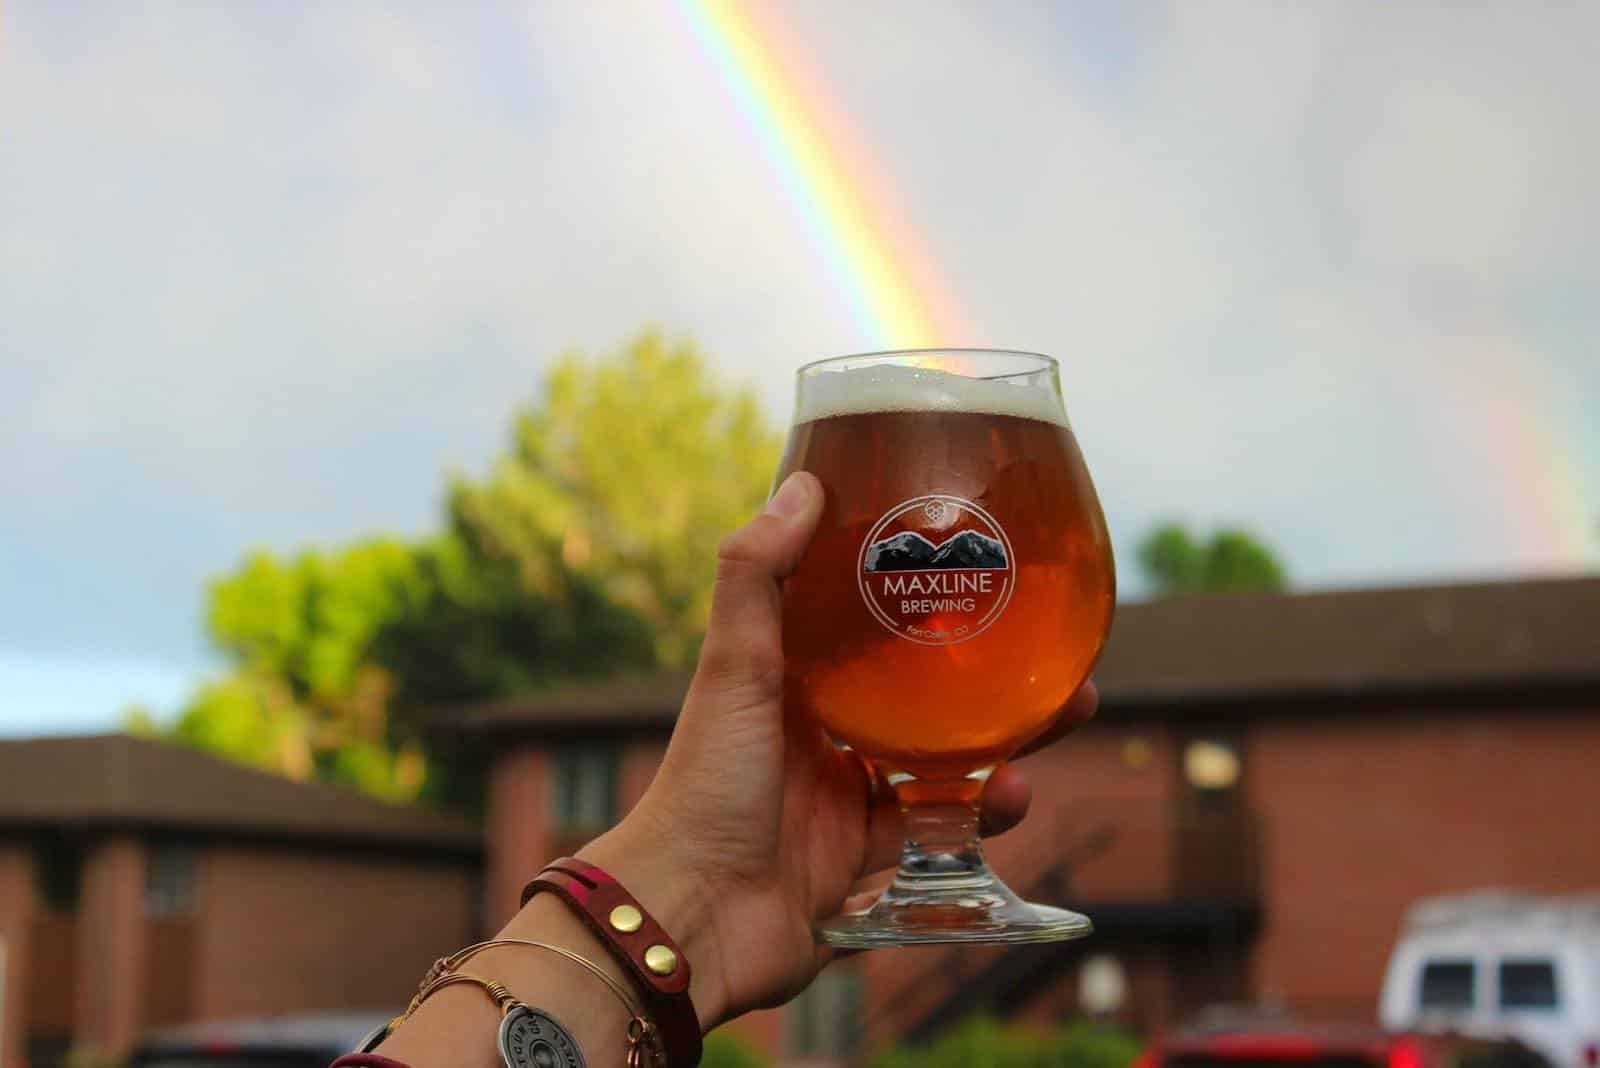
x: 956, y: 593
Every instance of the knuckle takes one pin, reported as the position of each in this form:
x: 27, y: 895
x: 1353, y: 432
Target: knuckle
x: 738, y: 687
x: 732, y: 573
x: 746, y: 664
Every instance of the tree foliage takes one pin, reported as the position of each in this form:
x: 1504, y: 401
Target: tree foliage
x: 626, y: 476
x: 588, y: 548
x: 1231, y: 561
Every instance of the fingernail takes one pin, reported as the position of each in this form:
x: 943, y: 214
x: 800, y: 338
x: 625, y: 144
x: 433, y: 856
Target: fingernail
x: 791, y: 499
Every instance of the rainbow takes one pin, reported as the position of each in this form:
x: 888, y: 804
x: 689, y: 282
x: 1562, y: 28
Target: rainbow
x: 882, y: 270
x: 1516, y: 447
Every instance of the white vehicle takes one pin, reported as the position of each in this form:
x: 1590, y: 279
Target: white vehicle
x: 1497, y: 964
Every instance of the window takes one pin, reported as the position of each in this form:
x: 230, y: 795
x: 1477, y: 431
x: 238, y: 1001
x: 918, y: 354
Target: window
x: 58, y: 871
x: 1527, y: 984
x: 1102, y: 984
x: 585, y: 784
x: 1448, y: 985
x: 1211, y: 765
x: 169, y: 881
x: 824, y: 1022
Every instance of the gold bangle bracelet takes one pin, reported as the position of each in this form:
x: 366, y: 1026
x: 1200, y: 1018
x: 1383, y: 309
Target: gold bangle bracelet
x: 438, y: 981
x: 434, y: 981
x: 644, y: 1041
x: 642, y: 1032
x: 629, y: 1002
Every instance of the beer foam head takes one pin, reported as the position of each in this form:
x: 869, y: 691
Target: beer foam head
x: 883, y: 387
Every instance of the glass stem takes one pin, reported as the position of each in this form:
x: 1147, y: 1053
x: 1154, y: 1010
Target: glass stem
x: 942, y: 852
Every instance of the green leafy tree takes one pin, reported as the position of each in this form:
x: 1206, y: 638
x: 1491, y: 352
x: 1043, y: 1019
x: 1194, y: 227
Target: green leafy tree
x: 336, y: 652
x: 306, y: 697
x: 481, y: 632
x: 588, y: 549
x: 1176, y: 562
x: 627, y: 475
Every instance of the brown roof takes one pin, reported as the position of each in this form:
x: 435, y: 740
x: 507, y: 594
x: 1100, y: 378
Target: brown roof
x: 116, y: 780
x: 637, y: 701
x: 1539, y: 633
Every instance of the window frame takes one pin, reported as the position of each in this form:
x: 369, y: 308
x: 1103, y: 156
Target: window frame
x: 1474, y: 985
x: 1547, y: 961
x: 58, y: 863
x: 571, y: 762
x: 171, y: 881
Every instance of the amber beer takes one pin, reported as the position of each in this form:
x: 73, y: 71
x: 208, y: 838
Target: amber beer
x: 960, y: 585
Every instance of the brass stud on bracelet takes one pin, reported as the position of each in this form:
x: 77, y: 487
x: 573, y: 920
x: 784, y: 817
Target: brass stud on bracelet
x: 626, y: 918
x: 661, y: 960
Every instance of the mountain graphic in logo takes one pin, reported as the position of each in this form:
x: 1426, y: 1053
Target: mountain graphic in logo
x: 910, y: 551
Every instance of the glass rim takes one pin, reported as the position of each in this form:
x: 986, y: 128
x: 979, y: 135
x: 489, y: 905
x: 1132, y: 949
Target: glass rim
x: 1044, y: 362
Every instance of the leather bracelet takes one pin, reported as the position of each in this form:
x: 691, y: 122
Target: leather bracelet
x: 638, y: 943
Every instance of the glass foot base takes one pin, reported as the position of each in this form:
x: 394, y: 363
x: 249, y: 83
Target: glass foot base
x: 944, y: 892
x: 923, y: 925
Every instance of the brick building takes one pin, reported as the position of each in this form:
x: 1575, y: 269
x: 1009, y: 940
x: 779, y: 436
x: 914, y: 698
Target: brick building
x: 1271, y: 781
x: 143, y: 884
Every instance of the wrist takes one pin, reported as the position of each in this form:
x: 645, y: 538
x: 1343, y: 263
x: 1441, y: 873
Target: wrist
x: 638, y: 856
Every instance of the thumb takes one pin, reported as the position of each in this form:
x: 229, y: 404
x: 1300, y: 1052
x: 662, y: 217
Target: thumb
x: 743, y: 650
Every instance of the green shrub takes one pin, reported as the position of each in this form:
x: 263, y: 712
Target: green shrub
x: 91, y: 1057
x: 725, y: 1049
x: 982, y: 1043
x: 1088, y: 1045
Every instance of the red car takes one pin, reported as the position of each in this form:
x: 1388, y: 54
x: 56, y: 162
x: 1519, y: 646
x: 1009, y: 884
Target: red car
x: 1287, y: 1046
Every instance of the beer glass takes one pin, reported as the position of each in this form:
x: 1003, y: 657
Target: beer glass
x: 956, y: 593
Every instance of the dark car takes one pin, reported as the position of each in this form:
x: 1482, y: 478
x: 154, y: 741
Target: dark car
x: 304, y: 1040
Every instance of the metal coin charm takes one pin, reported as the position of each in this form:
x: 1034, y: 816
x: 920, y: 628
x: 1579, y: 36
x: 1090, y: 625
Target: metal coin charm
x: 530, y: 1038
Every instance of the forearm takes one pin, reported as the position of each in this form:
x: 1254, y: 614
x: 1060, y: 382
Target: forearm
x: 457, y: 1025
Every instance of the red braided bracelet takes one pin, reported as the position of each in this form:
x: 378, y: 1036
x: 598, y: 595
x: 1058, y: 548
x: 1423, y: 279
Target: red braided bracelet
x: 637, y: 942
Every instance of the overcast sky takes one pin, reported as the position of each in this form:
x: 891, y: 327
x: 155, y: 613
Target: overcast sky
x: 1328, y: 271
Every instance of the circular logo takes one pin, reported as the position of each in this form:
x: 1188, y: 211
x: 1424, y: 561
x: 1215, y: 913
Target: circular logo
x: 936, y: 569
x: 531, y: 1038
